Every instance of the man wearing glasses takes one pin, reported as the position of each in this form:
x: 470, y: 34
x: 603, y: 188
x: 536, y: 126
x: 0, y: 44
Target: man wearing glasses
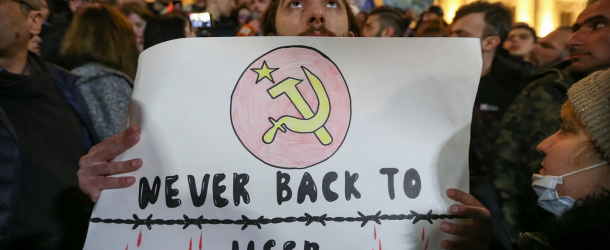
x: 42, y: 136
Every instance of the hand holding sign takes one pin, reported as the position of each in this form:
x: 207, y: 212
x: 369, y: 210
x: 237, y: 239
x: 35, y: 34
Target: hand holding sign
x: 474, y: 236
x: 95, y: 167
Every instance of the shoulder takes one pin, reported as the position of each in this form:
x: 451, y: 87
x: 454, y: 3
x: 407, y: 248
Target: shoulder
x: 99, y: 74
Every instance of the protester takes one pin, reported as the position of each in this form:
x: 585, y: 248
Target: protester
x: 531, y: 118
x: 44, y: 130
x: 106, y: 65
x: 501, y: 82
x: 165, y: 28
x: 551, y: 49
x: 361, y: 18
x: 384, y: 21
x: 521, y: 40
x: 573, y: 181
x: 433, y: 28
x: 258, y: 7
x: 158, y: 7
x: 51, y: 41
x: 313, y: 18
x: 138, y: 16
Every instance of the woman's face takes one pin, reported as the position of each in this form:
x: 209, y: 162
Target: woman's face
x: 139, y: 25
x: 567, y: 151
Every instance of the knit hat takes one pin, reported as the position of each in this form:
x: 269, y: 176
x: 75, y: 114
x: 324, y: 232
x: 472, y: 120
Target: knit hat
x: 590, y: 98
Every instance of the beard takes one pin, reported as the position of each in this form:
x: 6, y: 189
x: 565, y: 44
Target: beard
x: 322, y: 30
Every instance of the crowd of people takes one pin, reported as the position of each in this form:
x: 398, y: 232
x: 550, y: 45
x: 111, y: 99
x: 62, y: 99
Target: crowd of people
x: 539, y: 141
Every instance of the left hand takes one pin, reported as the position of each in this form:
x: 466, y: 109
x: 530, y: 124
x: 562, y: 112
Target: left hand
x: 473, y: 236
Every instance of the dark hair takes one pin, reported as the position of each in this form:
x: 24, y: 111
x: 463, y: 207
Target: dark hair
x: 565, y: 28
x: 437, y: 10
x: 390, y: 17
x: 100, y: 34
x: 137, y: 8
x: 269, y: 16
x: 164, y: 28
x: 432, y: 28
x: 526, y: 27
x: 497, y: 18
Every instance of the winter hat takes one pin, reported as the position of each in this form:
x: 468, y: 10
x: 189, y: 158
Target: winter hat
x: 590, y: 98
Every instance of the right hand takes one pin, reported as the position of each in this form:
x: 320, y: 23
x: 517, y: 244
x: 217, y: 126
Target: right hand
x: 475, y: 235
x: 95, y: 167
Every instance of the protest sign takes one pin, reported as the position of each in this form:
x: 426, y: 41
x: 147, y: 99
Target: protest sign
x: 294, y: 143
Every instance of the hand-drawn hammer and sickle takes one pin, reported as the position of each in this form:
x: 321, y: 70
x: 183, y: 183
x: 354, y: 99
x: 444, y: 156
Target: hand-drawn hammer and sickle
x: 312, y: 123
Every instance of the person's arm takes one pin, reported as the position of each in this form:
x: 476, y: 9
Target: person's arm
x: 96, y: 167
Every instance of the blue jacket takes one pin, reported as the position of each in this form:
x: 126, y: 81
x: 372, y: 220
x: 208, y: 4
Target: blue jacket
x: 9, y: 149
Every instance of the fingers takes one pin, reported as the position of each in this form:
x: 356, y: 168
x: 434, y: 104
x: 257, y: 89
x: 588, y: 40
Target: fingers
x: 111, y: 147
x: 455, y: 229
x: 462, y: 197
x: 111, y: 168
x: 94, y: 185
x: 479, y: 213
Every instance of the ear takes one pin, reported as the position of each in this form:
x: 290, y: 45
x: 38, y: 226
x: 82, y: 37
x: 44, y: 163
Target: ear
x: 490, y: 43
x: 388, y: 32
x: 37, y: 20
x: 350, y: 34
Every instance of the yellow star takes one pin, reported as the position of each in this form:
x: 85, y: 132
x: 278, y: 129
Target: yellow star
x: 264, y: 72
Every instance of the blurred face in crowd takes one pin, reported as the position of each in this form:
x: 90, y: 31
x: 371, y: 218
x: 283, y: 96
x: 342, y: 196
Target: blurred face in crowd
x: 372, y: 27
x: 243, y: 14
x: 226, y: 7
x: 17, y: 26
x: 569, y: 150
x: 550, y: 49
x: 259, y: 6
x: 78, y: 5
x: 520, y: 42
x: 590, y: 44
x: 312, y: 18
x: 427, y: 16
x: 472, y: 25
x: 139, y: 25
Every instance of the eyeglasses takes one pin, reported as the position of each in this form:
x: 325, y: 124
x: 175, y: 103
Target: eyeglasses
x: 25, y: 3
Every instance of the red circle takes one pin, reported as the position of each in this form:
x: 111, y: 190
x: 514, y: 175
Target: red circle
x: 252, y: 106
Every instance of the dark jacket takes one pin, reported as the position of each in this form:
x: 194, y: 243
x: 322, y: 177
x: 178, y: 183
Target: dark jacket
x: 533, y: 117
x: 585, y: 226
x: 9, y: 147
x: 52, y: 36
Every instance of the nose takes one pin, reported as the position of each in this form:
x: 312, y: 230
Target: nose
x: 576, y: 39
x: 545, y: 146
x: 317, y: 18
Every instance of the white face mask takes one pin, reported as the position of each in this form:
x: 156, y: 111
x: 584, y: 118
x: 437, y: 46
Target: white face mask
x: 548, y: 198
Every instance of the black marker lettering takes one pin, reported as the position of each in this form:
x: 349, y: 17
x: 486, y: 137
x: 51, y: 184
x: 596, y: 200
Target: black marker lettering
x: 412, y: 183
x: 170, y: 193
x: 350, y: 188
x: 146, y: 194
x: 289, y: 245
x: 198, y: 199
x: 307, y: 188
x: 282, y: 185
x: 390, y: 172
x: 329, y: 178
x: 239, y: 188
x: 218, y: 189
x: 270, y: 244
x: 311, y: 246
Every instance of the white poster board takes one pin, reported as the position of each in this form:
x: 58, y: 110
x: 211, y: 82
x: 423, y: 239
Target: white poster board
x: 369, y: 132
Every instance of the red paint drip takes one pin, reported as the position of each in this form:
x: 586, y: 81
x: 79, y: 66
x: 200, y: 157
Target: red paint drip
x: 427, y: 243
x: 379, y: 244
x: 191, y: 244
x: 200, y: 240
x: 127, y: 248
x: 423, y: 233
x: 375, y: 231
x: 140, y: 238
